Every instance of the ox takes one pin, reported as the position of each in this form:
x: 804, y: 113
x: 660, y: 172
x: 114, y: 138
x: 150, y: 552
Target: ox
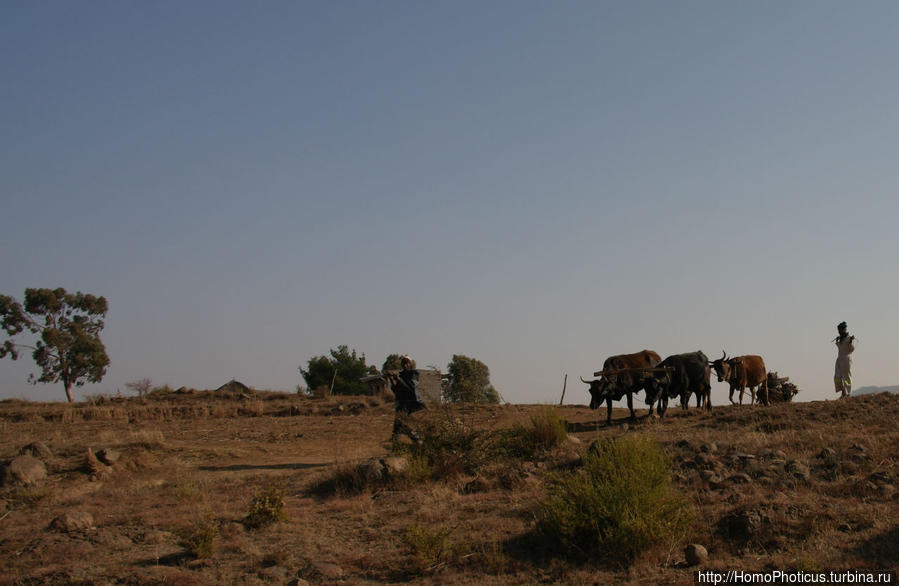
x: 680, y: 375
x: 742, y: 372
x: 625, y: 377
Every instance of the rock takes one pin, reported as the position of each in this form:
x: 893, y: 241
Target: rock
x: 708, y: 448
x: 696, y: 554
x: 275, y: 574
x: 828, y: 455
x: 371, y: 471
x: 850, y: 468
x: 569, y: 459
x: 798, y: 469
x: 574, y: 440
x: 23, y: 470
x: 740, y: 478
x: 328, y: 570
x: 75, y: 521
x: 754, y: 467
x: 94, y: 466
x: 706, y: 461
x: 403, y: 439
x: 108, y: 456
x: 477, y: 484
x: 740, y: 526
x: 880, y: 477
x: 710, y: 476
x: 395, y: 466
x: 38, y: 450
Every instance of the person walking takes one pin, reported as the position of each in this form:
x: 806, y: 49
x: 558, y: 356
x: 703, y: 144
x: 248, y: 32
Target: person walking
x: 842, y: 375
x: 405, y: 389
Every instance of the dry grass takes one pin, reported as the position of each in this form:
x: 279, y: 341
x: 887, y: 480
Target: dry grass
x: 791, y: 486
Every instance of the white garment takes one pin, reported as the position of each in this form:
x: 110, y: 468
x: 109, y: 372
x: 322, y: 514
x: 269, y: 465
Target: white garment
x: 842, y: 375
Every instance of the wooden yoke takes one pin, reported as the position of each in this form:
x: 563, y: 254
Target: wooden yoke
x: 636, y: 369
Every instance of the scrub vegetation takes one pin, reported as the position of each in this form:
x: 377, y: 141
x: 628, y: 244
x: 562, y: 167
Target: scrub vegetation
x: 199, y: 487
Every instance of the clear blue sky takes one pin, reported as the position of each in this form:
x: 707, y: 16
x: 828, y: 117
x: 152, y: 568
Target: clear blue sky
x: 535, y: 184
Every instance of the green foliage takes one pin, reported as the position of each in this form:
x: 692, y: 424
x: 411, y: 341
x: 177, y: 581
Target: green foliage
x: 618, y: 505
x: 470, y: 382
x: 266, y: 508
x: 448, y: 447
x: 200, y: 540
x: 394, y: 362
x: 429, y: 547
x: 547, y: 429
x: 69, y: 348
x: 349, y: 367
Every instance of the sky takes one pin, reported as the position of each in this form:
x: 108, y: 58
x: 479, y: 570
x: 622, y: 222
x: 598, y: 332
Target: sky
x: 538, y: 185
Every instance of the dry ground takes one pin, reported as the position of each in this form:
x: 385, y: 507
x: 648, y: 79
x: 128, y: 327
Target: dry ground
x: 804, y: 486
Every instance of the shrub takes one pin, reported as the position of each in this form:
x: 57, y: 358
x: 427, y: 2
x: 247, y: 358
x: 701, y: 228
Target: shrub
x: 618, y: 505
x: 266, y: 508
x: 449, y: 447
x: 200, y: 540
x: 548, y: 430
x: 429, y: 547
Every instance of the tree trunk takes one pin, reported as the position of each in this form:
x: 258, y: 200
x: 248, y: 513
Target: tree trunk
x: 69, y: 392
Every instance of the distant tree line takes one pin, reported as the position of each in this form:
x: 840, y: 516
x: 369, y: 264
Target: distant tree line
x: 339, y: 374
x: 68, y: 349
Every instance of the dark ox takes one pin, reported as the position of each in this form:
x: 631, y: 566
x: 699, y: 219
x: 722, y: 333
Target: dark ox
x: 742, y: 372
x: 680, y: 375
x: 614, y: 386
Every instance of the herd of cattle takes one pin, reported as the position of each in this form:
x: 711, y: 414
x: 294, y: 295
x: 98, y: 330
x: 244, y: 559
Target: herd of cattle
x: 679, y: 375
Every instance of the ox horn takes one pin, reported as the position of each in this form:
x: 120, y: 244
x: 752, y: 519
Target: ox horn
x: 723, y: 355
x: 585, y: 381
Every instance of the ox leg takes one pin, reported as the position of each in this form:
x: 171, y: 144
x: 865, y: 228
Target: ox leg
x: 731, y: 395
x: 663, y: 405
x: 630, y: 405
x: 742, y: 389
x: 608, y: 411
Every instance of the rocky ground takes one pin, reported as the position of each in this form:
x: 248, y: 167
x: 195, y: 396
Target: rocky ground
x: 126, y: 490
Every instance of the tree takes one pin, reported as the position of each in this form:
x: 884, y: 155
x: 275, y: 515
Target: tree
x: 394, y: 362
x: 470, y: 381
x: 69, y: 348
x: 141, y: 386
x: 347, y: 366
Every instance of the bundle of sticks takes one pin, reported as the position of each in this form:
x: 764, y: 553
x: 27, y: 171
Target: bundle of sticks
x: 780, y: 389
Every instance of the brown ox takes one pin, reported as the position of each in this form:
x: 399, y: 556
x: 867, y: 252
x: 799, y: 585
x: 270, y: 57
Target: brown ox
x: 742, y: 372
x: 625, y: 376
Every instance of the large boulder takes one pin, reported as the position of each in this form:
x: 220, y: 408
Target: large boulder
x: 23, y: 470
